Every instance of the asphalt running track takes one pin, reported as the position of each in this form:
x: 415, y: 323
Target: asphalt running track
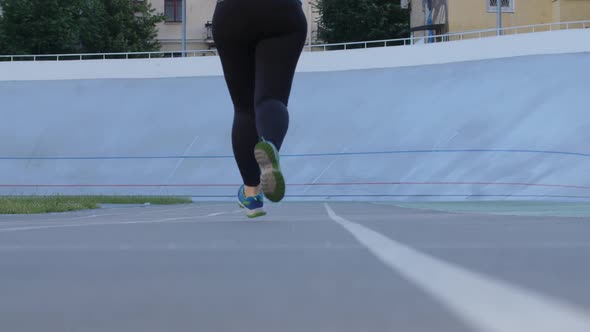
x: 305, y: 267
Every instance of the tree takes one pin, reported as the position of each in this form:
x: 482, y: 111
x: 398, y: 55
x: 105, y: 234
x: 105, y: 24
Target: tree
x: 121, y: 26
x: 38, y: 26
x: 2, y: 36
x: 359, y: 20
x: 77, y: 26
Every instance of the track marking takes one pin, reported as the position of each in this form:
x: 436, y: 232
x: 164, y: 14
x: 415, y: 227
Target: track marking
x: 182, y: 159
x: 318, y: 177
x: 217, y: 214
x: 92, y: 216
x: 173, y: 246
x: 484, y: 212
x: 190, y: 207
x: 178, y: 219
x: 484, y: 303
x: 36, y: 220
x: 82, y: 217
x: 96, y: 216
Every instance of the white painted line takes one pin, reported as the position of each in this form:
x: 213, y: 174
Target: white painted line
x: 195, y: 207
x: 66, y: 219
x: 172, y: 220
x: 215, y: 214
x: 554, y: 218
x: 35, y: 220
x: 484, y: 303
x: 173, y: 246
x: 31, y: 228
x: 94, y: 216
x: 82, y: 217
x: 191, y: 206
x: 317, y: 178
x: 187, y: 150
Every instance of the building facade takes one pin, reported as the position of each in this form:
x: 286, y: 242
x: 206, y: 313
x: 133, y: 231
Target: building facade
x: 441, y: 16
x: 199, y: 14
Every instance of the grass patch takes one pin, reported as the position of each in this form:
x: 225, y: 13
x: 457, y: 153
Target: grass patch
x: 48, y: 204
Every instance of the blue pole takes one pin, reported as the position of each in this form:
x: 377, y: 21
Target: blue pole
x: 499, y: 16
x: 183, y: 28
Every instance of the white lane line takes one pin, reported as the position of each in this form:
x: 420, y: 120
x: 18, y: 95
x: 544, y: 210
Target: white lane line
x: 216, y: 214
x: 529, y: 214
x: 91, y: 216
x: 96, y: 216
x: 65, y: 219
x: 81, y: 217
x: 319, y: 176
x: 187, y: 150
x: 486, y: 304
x: 222, y: 246
x: 172, y: 220
x: 191, y: 207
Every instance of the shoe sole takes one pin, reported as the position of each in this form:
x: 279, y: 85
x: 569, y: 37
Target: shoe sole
x: 253, y: 213
x: 271, y: 177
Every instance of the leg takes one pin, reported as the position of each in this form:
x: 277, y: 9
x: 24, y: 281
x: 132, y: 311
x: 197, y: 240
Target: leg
x: 238, y: 60
x: 244, y: 138
x: 276, y: 60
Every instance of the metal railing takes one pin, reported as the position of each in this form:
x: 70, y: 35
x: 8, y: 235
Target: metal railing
x: 454, y: 36
x: 107, y: 56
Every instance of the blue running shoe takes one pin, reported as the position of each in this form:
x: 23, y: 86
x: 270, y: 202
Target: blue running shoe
x: 253, y: 205
x: 271, y: 177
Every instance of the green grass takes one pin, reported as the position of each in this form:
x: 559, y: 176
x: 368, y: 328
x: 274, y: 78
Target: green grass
x: 48, y: 204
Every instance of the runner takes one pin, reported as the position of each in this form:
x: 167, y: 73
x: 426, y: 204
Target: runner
x: 259, y: 43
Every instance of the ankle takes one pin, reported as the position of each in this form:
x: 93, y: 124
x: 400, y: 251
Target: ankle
x: 250, y: 191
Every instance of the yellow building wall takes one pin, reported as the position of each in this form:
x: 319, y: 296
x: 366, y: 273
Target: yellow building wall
x: 466, y: 15
x: 572, y: 10
x: 556, y: 6
x: 170, y: 33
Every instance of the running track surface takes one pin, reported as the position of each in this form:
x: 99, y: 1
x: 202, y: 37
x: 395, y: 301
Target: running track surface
x: 313, y: 266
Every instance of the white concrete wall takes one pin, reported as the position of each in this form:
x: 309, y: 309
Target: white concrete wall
x: 555, y: 42
x: 508, y: 127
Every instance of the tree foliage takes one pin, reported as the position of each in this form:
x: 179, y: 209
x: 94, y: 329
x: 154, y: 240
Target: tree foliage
x: 77, y: 26
x: 357, y: 20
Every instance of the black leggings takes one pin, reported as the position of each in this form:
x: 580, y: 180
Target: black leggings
x: 259, y: 43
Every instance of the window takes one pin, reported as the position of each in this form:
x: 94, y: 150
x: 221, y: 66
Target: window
x: 507, y: 5
x: 173, y: 10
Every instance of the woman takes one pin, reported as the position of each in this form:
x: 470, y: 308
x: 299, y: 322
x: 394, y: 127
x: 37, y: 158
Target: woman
x: 259, y: 43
